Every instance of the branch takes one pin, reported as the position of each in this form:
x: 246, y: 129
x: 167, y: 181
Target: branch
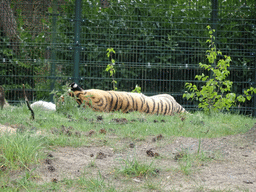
x: 26, y: 99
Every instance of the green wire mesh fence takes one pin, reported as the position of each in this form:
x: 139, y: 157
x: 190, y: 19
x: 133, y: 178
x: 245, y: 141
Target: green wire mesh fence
x: 48, y: 43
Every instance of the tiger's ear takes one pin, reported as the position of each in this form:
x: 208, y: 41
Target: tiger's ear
x: 75, y: 87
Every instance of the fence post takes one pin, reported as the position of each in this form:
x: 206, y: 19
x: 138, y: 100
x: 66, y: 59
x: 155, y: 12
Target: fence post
x: 214, y: 16
x: 77, y: 40
x: 53, y: 48
x: 214, y: 21
x: 254, y: 85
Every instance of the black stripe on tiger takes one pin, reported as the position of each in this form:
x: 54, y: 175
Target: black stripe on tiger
x: 79, y: 101
x: 168, y: 105
x: 127, y: 105
x: 166, y: 108
x: 116, y: 103
x: 147, y: 111
x: 100, y: 102
x: 104, y: 103
x: 154, y: 105
x: 157, y: 108
x: 132, y: 101
x: 161, y: 102
x: 111, y: 101
x: 142, y: 99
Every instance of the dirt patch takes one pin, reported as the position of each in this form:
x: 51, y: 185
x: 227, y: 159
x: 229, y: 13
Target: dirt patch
x: 6, y: 128
x: 231, y: 165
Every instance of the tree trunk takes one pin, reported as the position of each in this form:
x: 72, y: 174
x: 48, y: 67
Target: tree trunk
x: 7, y: 19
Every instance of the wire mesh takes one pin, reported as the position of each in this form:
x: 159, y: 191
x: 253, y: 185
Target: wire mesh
x: 158, y: 45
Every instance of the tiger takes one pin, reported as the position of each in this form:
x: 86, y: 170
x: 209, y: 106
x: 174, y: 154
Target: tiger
x: 107, y: 101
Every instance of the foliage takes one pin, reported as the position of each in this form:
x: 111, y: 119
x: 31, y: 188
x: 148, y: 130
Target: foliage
x: 216, y: 94
x: 134, y: 168
x: 94, y: 184
x: 21, y: 149
x: 64, y: 102
x: 110, y: 67
x: 188, y: 160
x: 151, y: 37
x: 137, y: 89
x: 145, y: 36
x: 23, y: 57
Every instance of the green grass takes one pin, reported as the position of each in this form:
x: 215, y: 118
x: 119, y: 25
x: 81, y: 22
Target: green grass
x: 82, y: 183
x: 21, y: 150
x: 197, y: 125
x: 94, y: 184
x: 135, y: 168
x: 152, y: 185
x: 189, y: 161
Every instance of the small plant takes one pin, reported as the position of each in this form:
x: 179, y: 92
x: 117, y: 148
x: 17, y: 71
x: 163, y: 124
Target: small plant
x: 137, y: 89
x: 134, y: 168
x: 187, y: 160
x: 152, y: 186
x: 95, y: 184
x: 216, y: 94
x: 92, y: 164
x: 21, y: 149
x: 110, y: 67
x: 27, y: 180
x: 64, y: 102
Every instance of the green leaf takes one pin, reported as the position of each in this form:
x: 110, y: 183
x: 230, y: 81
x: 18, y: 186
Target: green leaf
x: 241, y: 98
x: 50, y: 9
x: 248, y: 97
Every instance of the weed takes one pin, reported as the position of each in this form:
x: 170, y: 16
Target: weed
x: 151, y: 185
x: 137, y: 89
x: 187, y: 160
x: 64, y: 102
x: 21, y: 149
x: 92, y: 164
x: 94, y: 184
x: 110, y: 67
x: 26, y: 180
x: 185, y: 163
x: 134, y: 168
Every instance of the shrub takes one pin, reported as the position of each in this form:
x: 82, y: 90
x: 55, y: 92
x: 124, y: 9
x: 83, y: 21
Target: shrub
x: 216, y: 94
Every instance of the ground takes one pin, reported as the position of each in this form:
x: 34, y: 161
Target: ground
x: 231, y: 164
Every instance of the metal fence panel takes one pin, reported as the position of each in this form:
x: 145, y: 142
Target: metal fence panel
x: 158, y: 44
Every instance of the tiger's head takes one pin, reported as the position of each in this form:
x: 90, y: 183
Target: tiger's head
x: 73, y: 91
x: 87, y: 97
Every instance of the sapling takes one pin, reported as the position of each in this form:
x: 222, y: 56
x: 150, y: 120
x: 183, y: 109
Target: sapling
x: 216, y: 94
x: 110, y: 67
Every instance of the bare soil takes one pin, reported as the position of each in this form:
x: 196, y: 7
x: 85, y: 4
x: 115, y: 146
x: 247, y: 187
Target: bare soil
x: 231, y: 163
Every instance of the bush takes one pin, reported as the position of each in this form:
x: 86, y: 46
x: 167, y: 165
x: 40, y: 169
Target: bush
x: 216, y: 94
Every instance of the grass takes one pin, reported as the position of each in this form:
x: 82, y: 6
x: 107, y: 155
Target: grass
x: 152, y: 185
x: 71, y: 128
x: 198, y: 125
x: 187, y: 160
x: 20, y: 150
x: 94, y: 184
x: 82, y: 183
x: 135, y: 168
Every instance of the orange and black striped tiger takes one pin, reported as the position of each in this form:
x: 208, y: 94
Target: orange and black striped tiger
x: 107, y: 101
